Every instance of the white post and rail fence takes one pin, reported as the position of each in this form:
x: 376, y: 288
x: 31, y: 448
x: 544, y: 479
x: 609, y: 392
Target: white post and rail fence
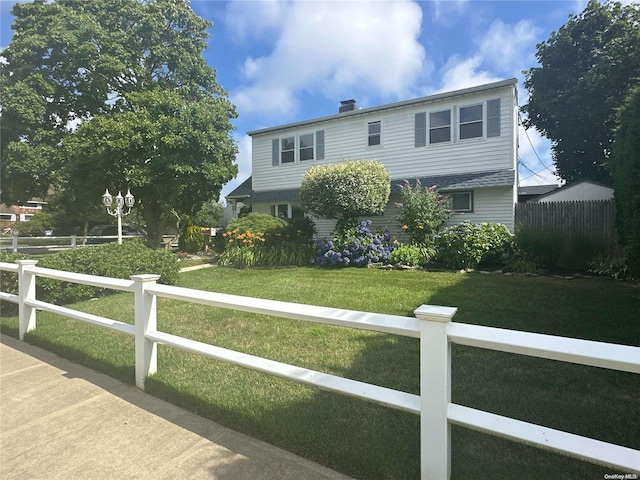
x: 432, y: 325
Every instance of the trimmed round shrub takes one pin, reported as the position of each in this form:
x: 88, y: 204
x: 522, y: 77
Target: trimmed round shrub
x: 466, y: 245
x: 346, y: 190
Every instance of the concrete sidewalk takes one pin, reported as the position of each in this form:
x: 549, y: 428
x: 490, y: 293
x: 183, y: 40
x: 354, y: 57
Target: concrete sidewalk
x: 59, y: 420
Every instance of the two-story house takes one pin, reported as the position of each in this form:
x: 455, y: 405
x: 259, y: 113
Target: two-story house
x: 465, y: 142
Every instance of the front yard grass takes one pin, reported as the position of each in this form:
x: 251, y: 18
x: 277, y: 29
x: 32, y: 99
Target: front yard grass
x: 361, y: 439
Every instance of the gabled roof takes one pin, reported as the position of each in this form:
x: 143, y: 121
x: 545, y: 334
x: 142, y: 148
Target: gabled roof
x: 447, y: 183
x: 388, y: 106
x: 536, y: 189
x: 243, y: 190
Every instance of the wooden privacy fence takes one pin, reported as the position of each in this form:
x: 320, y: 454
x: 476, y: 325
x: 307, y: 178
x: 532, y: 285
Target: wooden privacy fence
x: 432, y: 325
x: 592, y: 219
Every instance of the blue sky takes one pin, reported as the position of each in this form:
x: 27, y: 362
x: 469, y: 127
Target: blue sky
x: 284, y: 61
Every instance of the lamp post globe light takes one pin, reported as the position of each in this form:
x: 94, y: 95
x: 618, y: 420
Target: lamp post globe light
x: 128, y: 200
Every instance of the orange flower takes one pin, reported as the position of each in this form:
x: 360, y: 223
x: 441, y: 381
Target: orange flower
x: 404, y: 227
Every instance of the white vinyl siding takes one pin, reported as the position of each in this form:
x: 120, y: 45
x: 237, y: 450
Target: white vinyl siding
x: 493, y: 205
x: 343, y: 140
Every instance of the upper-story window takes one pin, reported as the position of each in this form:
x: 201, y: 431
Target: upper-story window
x: 471, y: 122
x: 440, y: 126
x: 297, y: 148
x: 288, y: 150
x: 306, y: 146
x: 374, y: 133
x: 468, y: 122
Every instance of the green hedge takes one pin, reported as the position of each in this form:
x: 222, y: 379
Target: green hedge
x: 133, y: 257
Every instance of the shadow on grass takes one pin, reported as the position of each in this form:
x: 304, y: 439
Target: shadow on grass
x: 371, y: 442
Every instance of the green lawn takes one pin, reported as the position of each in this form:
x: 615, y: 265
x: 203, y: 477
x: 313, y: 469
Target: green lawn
x: 364, y: 440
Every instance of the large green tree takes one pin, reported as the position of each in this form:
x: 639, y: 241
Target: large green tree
x: 586, y: 70
x: 625, y: 168
x: 114, y: 94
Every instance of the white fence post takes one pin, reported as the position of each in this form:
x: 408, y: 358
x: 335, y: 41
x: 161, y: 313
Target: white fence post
x: 146, y: 320
x: 73, y: 241
x: 26, y: 291
x: 435, y: 391
x: 14, y: 244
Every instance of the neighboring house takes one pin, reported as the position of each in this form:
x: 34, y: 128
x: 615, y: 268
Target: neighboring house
x: 236, y: 199
x: 465, y: 142
x: 9, y: 215
x: 578, y: 191
x: 531, y: 192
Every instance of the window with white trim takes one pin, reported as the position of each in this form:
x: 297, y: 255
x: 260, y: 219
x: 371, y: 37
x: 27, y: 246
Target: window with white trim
x: 461, y: 201
x: 306, y: 147
x: 471, y: 122
x: 374, y: 132
x: 440, y: 126
x: 298, y: 148
x: 286, y: 210
x: 288, y: 150
x: 436, y: 127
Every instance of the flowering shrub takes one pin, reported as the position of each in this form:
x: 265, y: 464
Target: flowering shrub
x: 260, y: 239
x: 422, y: 212
x: 466, y: 245
x: 357, y: 247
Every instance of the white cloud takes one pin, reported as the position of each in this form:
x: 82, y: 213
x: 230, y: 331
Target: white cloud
x: 447, y: 12
x: 462, y: 73
x: 503, y: 52
x: 254, y: 19
x: 332, y: 48
x: 510, y: 48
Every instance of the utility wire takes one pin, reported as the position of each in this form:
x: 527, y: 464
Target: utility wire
x: 532, y: 147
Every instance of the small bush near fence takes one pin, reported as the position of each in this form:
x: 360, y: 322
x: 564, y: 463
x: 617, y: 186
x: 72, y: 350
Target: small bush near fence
x: 133, y: 257
x: 467, y: 245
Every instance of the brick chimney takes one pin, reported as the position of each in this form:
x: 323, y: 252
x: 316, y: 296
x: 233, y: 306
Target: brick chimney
x: 347, y: 106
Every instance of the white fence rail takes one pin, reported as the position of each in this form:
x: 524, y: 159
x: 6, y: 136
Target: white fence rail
x: 16, y: 243
x: 432, y: 325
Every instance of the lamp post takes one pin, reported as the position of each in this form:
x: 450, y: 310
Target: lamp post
x: 118, y: 211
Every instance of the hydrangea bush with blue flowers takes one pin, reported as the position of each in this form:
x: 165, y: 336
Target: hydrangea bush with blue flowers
x: 357, y: 246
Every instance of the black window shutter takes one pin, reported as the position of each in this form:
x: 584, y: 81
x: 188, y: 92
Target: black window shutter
x: 421, y: 129
x: 275, y: 152
x: 320, y: 145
